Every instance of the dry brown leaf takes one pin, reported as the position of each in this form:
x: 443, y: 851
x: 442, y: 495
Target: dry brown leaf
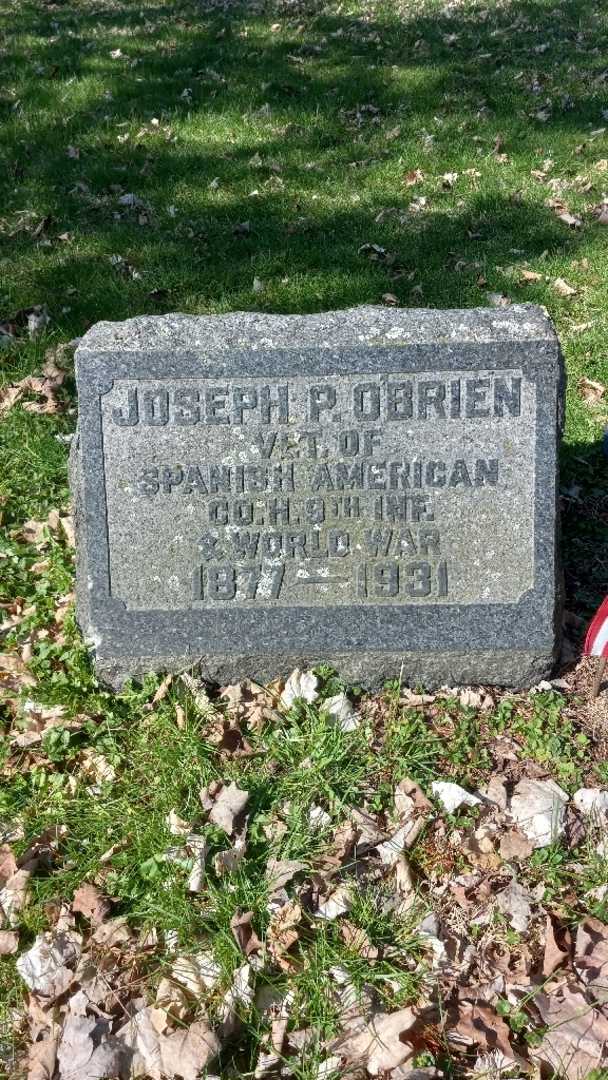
x: 382, y: 1044
x: 96, y: 768
x: 280, y: 871
x: 172, y: 1000
x: 283, y: 933
x: 197, y: 972
x: 337, y: 903
x: 186, y: 1053
x: 562, y: 288
x: 226, y: 862
x: 8, y: 863
x: 42, y: 1055
x: 90, y: 902
x: 591, y: 391
x: 480, y: 1025
x: 225, y: 734
x: 226, y: 805
x: 84, y: 1053
x: 9, y: 942
x: 244, y: 934
x: 342, y: 844
x: 369, y: 832
x: 160, y: 693
x: 514, y: 846
x: 574, y: 1044
x: 45, y: 386
x: 14, y: 897
x: 48, y: 967
x: 414, y: 176
x: 113, y: 933
x: 553, y: 956
x: 531, y: 276
x: 591, y: 957
x: 141, y: 1038
x: 410, y: 797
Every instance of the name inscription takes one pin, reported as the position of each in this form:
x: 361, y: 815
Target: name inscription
x: 404, y: 399
x: 380, y: 489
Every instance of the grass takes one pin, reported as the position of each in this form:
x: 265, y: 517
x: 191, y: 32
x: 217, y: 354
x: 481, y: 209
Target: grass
x: 274, y: 144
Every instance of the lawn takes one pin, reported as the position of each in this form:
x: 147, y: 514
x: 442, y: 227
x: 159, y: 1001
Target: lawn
x: 291, y: 158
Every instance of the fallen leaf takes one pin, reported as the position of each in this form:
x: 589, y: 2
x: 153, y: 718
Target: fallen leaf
x: 240, y: 996
x: 226, y: 862
x: 176, y: 825
x: 448, y: 180
x: 96, y: 767
x: 14, y: 897
x: 228, y: 805
x: 538, y: 807
x: 553, y: 956
x: 280, y: 871
x: 160, y: 693
x: 318, y: 818
x: 337, y: 903
x: 87, y: 1051
x: 531, y: 276
x: 283, y: 933
x: 340, y: 710
x: 8, y: 863
x: 369, y: 833
x: 382, y: 1044
x: 186, y: 1053
x: 516, y: 903
x: 480, y: 1025
x: 90, y: 902
x: 196, y: 847
x: 42, y: 1055
x: 562, y: 288
x: 47, y: 968
x: 300, y: 684
x: 9, y: 942
x: 244, y: 934
x: 410, y: 698
x: 515, y: 846
x: 574, y: 1044
x: 591, y: 957
x: 452, y: 796
x: 196, y: 972
x: 497, y: 299
x: 357, y: 940
x: 591, y: 391
x: 414, y: 176
x: 141, y: 1039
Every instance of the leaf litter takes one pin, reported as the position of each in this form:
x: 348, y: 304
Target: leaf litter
x: 435, y: 867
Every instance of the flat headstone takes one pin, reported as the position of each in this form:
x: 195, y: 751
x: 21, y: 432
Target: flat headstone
x: 373, y: 488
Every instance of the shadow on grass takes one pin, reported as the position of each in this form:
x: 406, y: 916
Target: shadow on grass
x: 585, y: 525
x: 331, y: 90
x: 316, y: 105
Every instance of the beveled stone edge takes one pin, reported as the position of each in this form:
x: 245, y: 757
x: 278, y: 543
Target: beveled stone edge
x: 364, y: 325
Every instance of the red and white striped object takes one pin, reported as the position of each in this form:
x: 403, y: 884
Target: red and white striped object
x: 596, y: 642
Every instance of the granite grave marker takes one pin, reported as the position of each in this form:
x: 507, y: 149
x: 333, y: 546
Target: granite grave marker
x: 374, y: 488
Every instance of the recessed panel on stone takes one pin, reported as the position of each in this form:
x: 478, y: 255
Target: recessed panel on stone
x: 372, y: 488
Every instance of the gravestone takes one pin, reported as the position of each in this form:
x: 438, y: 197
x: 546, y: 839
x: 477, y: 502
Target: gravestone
x: 372, y: 488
